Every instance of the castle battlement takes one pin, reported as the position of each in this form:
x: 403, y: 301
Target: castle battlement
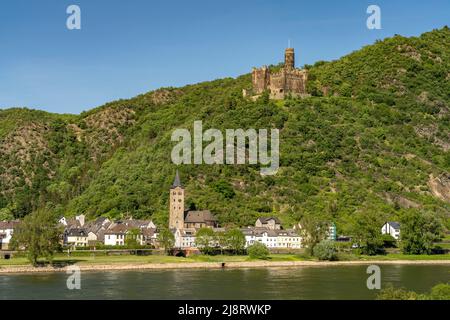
x: 287, y: 81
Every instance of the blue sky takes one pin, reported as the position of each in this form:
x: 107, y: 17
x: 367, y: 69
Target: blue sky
x: 125, y: 48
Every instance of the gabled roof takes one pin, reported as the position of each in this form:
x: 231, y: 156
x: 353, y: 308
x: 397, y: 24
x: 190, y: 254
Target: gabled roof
x: 8, y: 224
x: 117, y: 229
x: 77, y: 232
x: 199, y: 216
x: 139, y: 224
x: 394, y: 224
x: 148, y: 232
x: 101, y: 221
x: 267, y: 219
x: 258, y: 232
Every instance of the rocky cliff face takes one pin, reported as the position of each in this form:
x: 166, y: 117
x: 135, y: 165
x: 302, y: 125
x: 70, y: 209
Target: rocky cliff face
x: 440, y: 186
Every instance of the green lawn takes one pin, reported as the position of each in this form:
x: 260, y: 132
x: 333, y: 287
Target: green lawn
x: 400, y: 256
x: 133, y: 259
x: 125, y: 259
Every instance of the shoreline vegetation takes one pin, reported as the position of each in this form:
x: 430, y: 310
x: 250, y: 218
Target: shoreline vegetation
x: 137, y: 263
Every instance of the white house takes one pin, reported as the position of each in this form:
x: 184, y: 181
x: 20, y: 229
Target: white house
x: 76, y: 237
x: 184, y: 238
x: 6, y: 233
x: 288, y: 239
x: 274, y: 239
x: 116, y: 235
x: 392, y: 228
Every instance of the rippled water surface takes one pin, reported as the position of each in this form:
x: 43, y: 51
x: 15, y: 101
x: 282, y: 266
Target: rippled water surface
x: 343, y: 282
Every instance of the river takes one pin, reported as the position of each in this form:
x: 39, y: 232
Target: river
x: 334, y: 282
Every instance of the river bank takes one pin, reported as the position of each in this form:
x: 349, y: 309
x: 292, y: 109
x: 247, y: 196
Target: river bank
x: 212, y: 265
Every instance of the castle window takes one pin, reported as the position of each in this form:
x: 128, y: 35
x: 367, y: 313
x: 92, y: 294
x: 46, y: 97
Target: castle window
x: 179, y: 193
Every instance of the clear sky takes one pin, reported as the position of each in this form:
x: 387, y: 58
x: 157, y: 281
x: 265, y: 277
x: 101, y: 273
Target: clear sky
x: 125, y: 48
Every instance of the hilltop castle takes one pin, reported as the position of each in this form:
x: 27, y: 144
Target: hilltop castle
x: 289, y: 81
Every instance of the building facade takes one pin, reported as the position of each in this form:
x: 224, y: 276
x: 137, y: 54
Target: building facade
x: 6, y: 233
x: 392, y: 228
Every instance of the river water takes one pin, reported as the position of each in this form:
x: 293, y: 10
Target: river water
x: 334, y: 282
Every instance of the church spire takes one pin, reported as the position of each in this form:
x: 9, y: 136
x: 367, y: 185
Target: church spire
x: 176, y: 181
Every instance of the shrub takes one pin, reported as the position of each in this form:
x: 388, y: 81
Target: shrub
x: 389, y: 241
x: 258, y: 251
x: 325, y: 250
x: 440, y: 292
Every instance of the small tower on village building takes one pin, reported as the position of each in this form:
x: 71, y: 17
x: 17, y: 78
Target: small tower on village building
x: 176, y: 205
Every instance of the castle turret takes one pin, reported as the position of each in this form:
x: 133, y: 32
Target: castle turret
x: 289, y: 58
x: 176, y: 206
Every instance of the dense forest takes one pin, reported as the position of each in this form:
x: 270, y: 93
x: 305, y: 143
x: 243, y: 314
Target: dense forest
x: 371, y: 142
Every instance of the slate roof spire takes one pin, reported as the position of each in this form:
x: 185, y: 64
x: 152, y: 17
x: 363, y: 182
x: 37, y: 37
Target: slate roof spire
x: 176, y: 181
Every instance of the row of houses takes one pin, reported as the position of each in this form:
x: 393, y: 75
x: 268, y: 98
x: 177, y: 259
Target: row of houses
x: 79, y: 233
x: 267, y: 230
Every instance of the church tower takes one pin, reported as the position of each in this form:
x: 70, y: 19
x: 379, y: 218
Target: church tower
x: 176, y: 206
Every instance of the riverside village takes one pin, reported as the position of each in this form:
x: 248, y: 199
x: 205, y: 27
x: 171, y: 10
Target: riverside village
x: 79, y: 234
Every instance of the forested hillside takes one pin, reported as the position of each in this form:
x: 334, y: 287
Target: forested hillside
x: 372, y: 140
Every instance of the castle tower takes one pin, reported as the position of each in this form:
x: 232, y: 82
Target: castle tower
x: 289, y: 59
x: 176, y: 205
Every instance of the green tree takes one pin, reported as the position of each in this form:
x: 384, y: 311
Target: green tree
x: 419, y: 231
x: 235, y: 240
x: 6, y: 214
x: 313, y: 230
x: 258, y: 251
x: 325, y: 250
x: 366, y: 232
x: 225, y: 189
x: 388, y: 241
x: 131, y: 238
x: 205, y: 239
x: 166, y: 239
x: 39, y: 235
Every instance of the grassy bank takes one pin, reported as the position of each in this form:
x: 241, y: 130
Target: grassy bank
x: 127, y: 259
x: 158, y: 259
